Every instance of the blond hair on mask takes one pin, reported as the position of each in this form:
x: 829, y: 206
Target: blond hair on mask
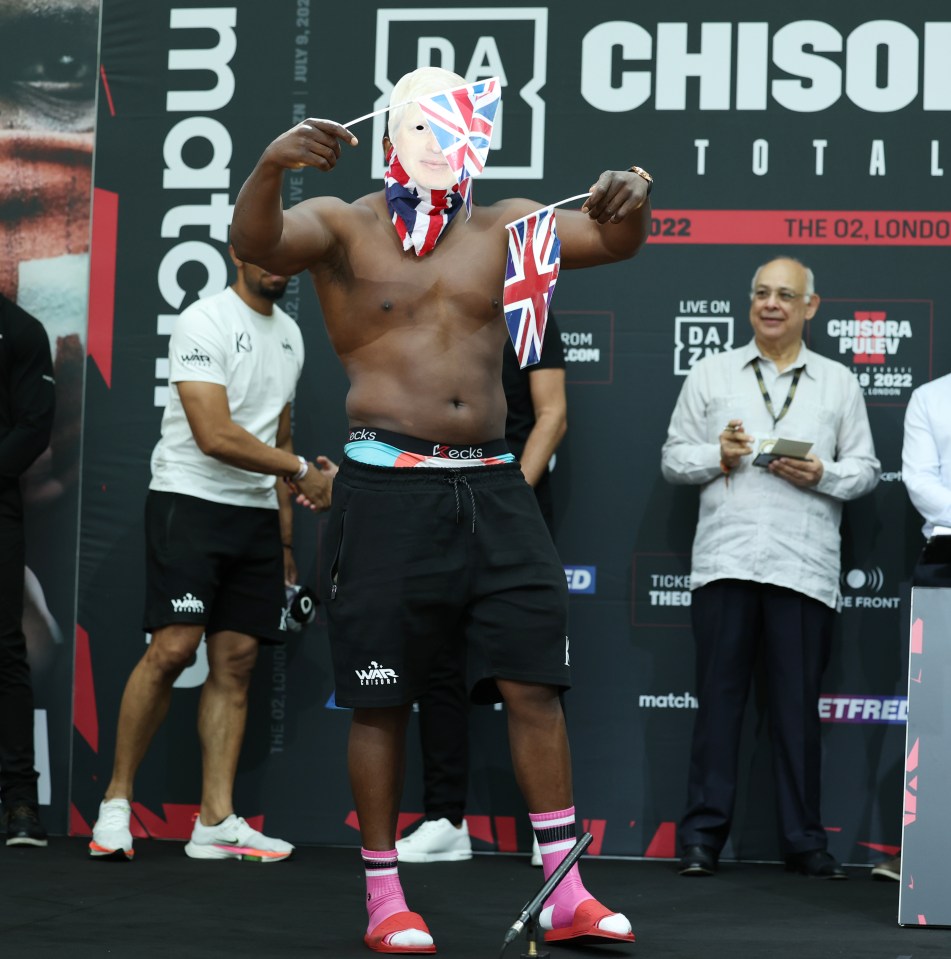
x: 416, y: 84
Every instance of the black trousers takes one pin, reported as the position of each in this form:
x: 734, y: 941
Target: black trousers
x: 931, y: 572
x: 444, y: 719
x: 17, y: 775
x: 444, y: 736
x: 733, y: 620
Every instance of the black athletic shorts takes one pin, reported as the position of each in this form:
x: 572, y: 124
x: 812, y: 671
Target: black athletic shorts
x: 212, y: 564
x: 418, y: 557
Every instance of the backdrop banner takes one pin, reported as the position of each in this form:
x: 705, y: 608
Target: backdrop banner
x: 815, y: 134
x: 48, y: 55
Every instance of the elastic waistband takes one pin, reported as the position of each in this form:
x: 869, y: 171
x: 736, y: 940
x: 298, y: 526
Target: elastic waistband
x: 369, y: 476
x: 413, y: 444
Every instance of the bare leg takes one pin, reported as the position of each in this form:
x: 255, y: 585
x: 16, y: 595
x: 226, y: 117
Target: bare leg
x: 146, y: 699
x: 222, y: 713
x: 376, y: 756
x: 542, y: 761
x: 539, y: 742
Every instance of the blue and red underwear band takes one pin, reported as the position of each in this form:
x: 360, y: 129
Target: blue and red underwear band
x: 368, y: 444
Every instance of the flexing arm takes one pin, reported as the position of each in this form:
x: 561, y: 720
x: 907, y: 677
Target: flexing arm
x: 261, y: 231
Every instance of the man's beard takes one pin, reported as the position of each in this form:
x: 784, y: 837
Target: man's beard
x: 272, y: 293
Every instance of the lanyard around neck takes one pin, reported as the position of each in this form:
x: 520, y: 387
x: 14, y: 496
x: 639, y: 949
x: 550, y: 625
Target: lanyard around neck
x: 765, y: 392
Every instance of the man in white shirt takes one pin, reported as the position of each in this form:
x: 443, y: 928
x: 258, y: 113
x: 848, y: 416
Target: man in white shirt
x: 926, y: 472
x: 926, y: 464
x: 765, y: 567
x: 219, y: 548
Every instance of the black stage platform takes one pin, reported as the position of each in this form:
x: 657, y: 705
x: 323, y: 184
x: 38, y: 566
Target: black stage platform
x: 56, y: 903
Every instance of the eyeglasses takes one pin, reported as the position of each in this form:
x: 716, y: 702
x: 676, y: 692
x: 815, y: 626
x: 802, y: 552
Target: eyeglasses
x: 762, y: 293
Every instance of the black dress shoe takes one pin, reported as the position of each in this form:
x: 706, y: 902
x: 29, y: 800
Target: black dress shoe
x: 817, y: 864
x: 698, y: 861
x: 24, y: 827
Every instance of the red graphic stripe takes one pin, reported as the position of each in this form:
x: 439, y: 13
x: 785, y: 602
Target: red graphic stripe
x: 77, y: 825
x: 102, y: 280
x: 105, y: 86
x: 505, y: 837
x: 597, y: 828
x: 480, y: 827
x: 174, y: 822
x: 403, y: 821
x: 802, y: 227
x: 664, y: 843
x: 881, y: 847
x: 85, y: 717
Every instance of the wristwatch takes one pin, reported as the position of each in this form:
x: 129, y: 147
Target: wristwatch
x: 644, y: 175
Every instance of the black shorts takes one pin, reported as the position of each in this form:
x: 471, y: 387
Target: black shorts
x: 215, y: 565
x: 418, y: 557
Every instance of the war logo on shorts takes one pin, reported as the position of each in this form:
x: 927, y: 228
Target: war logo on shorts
x: 188, y: 604
x: 376, y: 675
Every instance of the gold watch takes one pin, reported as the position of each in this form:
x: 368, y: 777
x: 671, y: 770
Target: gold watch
x: 644, y: 175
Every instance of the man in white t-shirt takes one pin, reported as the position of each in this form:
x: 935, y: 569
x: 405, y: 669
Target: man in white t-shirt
x: 218, y: 548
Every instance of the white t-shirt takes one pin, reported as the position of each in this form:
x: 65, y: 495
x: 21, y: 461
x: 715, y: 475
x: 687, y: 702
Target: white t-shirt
x: 258, y: 359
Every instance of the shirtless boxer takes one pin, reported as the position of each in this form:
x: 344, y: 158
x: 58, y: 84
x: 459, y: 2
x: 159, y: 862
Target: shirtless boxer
x: 433, y: 530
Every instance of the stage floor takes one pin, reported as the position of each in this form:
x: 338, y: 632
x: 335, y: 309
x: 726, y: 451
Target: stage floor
x: 57, y: 903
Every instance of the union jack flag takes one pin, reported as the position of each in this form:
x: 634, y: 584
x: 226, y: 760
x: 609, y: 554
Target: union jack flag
x: 461, y: 120
x: 531, y: 271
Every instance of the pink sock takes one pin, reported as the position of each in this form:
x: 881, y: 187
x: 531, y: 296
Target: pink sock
x: 555, y: 832
x: 384, y: 892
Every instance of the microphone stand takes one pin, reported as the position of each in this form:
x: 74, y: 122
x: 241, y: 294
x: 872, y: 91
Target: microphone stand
x: 528, y: 917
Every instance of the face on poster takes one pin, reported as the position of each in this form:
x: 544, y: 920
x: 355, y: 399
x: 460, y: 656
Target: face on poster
x: 48, y: 51
x: 48, y: 54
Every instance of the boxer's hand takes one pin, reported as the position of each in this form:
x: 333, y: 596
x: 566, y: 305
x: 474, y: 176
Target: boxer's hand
x: 326, y: 466
x: 615, y: 194
x: 313, y: 142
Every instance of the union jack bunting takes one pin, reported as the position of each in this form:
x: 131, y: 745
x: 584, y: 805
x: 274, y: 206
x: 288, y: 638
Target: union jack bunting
x: 531, y: 271
x: 461, y: 120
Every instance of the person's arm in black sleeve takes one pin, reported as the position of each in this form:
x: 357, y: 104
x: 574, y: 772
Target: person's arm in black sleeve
x: 31, y: 394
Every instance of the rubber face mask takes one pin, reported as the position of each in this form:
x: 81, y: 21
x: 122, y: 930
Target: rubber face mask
x: 419, y: 152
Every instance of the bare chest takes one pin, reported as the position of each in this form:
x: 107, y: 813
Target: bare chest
x: 456, y: 287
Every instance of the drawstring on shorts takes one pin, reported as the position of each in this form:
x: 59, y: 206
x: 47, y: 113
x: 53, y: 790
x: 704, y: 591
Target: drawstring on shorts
x: 455, y: 478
